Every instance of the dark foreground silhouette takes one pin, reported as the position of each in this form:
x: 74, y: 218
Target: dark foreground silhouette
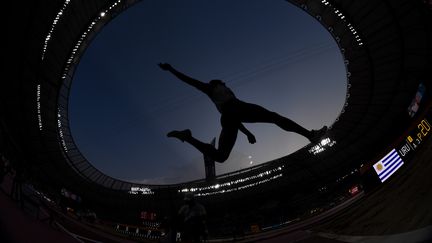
x: 234, y: 113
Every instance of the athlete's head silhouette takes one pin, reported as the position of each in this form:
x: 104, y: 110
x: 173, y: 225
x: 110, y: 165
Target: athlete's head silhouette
x: 215, y: 82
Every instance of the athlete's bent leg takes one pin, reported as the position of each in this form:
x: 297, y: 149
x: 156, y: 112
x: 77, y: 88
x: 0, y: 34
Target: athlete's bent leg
x: 227, y: 140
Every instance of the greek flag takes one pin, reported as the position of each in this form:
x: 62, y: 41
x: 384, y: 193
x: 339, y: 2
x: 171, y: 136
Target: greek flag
x: 388, y: 165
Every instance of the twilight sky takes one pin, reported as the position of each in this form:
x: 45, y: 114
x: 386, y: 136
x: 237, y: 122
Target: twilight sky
x: 268, y: 52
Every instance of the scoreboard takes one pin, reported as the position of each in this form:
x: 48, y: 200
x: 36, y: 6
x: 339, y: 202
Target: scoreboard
x: 400, y: 153
x: 415, y: 138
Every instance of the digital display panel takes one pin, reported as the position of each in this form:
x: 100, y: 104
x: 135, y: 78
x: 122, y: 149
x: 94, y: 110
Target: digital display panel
x: 70, y: 195
x: 415, y: 104
x: 388, y: 165
x: 135, y: 190
x: 322, y: 146
x: 147, y: 215
x: 416, y: 137
x: 354, y: 190
x: 405, y: 147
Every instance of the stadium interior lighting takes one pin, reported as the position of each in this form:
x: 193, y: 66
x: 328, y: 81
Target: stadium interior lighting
x: 60, y: 127
x: 235, y: 185
x: 38, y: 105
x: 322, y: 146
x: 135, y: 190
x: 349, y: 25
x: 54, y: 24
x: 83, y: 37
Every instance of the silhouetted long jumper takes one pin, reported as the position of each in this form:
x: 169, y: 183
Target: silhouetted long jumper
x: 234, y: 113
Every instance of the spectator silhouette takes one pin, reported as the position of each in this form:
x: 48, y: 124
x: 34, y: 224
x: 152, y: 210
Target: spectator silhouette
x: 17, y: 182
x: 2, y: 169
x: 169, y: 228
x: 6, y: 167
x: 192, y: 220
x: 234, y: 113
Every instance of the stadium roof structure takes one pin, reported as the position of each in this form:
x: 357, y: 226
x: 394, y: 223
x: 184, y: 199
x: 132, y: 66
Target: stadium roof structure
x: 386, y: 45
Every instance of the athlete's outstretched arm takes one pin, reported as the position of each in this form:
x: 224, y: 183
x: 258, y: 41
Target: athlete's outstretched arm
x: 183, y: 77
x: 249, y: 135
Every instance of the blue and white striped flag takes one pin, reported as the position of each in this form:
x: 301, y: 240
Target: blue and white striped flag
x: 388, y: 165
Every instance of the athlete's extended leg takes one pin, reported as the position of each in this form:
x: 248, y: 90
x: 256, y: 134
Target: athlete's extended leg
x: 254, y: 113
x: 227, y: 140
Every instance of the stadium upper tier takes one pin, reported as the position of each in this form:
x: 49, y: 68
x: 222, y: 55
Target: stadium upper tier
x: 386, y: 45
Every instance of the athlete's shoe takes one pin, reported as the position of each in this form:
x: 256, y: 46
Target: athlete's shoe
x: 317, y: 135
x: 181, y: 135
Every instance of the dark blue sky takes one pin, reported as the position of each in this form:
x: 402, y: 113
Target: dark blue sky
x: 269, y: 52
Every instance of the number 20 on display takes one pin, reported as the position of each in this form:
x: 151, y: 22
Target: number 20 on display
x: 424, y: 128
